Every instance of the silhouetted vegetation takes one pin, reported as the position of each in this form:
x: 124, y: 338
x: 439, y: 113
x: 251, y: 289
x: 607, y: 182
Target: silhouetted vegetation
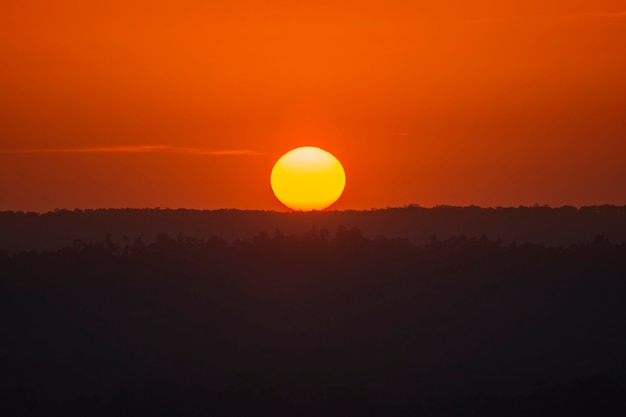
x: 540, y: 224
x: 318, y: 323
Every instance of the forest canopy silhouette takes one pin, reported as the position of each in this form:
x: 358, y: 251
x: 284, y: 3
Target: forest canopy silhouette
x: 538, y: 224
x: 322, y: 322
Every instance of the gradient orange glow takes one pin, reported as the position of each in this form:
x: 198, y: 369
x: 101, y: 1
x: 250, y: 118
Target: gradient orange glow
x: 308, y: 178
x: 189, y: 104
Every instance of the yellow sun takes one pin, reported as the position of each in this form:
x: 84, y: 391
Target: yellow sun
x: 308, y: 178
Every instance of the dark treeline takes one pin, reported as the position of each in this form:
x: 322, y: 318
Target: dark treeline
x: 540, y: 224
x: 314, y: 324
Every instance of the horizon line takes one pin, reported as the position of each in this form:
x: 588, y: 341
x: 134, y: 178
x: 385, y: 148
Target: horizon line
x: 408, y: 206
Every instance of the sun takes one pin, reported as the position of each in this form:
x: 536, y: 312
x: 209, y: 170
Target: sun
x: 308, y: 178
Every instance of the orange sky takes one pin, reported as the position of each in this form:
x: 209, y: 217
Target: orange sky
x: 189, y: 103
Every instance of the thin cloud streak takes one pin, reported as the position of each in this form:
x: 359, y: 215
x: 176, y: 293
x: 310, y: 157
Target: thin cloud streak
x: 138, y: 149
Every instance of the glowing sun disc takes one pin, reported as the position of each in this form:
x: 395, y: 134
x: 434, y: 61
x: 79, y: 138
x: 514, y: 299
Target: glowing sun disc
x: 308, y: 178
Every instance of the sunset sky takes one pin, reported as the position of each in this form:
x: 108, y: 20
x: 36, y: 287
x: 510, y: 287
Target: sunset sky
x: 189, y: 103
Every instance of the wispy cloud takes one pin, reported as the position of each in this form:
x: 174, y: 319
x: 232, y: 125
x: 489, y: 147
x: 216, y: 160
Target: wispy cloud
x: 137, y: 149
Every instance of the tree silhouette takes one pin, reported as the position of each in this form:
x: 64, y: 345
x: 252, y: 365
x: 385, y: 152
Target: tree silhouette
x: 325, y: 322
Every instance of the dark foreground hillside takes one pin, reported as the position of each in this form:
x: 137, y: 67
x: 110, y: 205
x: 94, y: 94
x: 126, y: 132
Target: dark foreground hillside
x: 315, y: 325
x: 540, y: 224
